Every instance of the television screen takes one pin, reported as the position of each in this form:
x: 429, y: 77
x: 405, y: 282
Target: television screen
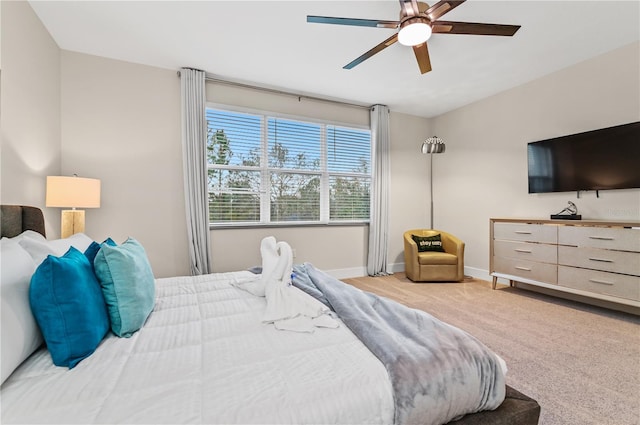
x: 608, y: 158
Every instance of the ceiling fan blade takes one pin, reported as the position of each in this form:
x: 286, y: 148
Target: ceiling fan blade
x: 388, y: 42
x: 422, y: 56
x: 409, y: 8
x: 375, y: 23
x: 442, y: 7
x: 473, y: 28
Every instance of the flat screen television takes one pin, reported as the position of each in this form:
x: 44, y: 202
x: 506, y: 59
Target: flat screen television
x: 608, y: 158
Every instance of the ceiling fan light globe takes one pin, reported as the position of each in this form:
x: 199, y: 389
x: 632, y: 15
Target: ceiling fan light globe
x: 414, y: 33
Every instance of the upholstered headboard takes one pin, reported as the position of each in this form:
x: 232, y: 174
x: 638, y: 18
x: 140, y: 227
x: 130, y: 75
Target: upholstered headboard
x: 15, y: 219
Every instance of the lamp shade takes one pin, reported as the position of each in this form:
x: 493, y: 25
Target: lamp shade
x: 433, y: 145
x: 72, y: 192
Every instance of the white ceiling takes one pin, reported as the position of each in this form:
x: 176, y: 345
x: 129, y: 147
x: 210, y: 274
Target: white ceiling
x: 270, y: 44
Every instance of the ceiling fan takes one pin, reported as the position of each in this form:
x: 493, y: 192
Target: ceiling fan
x: 416, y: 24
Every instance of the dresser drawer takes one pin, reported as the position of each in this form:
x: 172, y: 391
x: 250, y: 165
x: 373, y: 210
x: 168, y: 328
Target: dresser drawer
x: 600, y: 259
x: 617, y: 238
x: 541, y: 272
x: 526, y: 251
x: 613, y: 284
x: 525, y: 232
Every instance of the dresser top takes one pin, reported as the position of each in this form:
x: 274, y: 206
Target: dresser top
x: 602, y: 223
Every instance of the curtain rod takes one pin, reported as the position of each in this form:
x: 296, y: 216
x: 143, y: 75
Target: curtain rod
x: 211, y: 78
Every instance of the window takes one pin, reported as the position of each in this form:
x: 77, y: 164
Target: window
x: 264, y: 169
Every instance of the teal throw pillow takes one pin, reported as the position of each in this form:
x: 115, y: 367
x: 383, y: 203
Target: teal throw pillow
x: 128, y: 285
x: 428, y: 243
x: 67, y: 303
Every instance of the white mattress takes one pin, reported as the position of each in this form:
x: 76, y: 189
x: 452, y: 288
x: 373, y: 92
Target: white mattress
x: 205, y: 357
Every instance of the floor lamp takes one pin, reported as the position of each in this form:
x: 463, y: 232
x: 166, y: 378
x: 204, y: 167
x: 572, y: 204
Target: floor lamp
x: 432, y: 145
x: 72, y: 192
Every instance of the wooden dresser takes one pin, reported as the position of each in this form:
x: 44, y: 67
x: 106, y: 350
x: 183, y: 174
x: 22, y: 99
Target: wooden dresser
x: 598, y: 259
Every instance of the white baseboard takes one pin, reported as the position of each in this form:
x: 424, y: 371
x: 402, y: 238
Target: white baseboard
x: 478, y: 273
x: 399, y: 267
x: 396, y: 267
x: 347, y: 273
x: 361, y: 271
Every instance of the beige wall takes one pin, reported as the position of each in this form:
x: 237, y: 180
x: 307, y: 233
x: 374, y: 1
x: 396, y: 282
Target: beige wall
x: 409, y: 198
x: 65, y: 112
x: 340, y: 249
x: 483, y: 174
x: 30, y: 105
x: 121, y: 124
x: 286, y: 104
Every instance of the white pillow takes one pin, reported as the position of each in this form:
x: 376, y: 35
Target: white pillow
x: 19, y: 332
x: 29, y: 234
x: 40, y: 249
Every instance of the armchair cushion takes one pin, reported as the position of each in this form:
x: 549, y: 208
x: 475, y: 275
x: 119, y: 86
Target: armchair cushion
x: 437, y: 258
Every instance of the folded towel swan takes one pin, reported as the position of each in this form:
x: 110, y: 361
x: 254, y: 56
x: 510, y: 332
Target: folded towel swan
x: 288, y: 307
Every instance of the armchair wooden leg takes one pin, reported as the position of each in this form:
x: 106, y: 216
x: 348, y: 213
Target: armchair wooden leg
x: 493, y: 284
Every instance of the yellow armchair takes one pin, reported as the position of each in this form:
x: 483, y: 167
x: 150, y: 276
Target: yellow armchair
x: 433, y: 266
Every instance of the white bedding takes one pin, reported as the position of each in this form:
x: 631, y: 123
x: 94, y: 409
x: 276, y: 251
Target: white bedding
x: 204, y: 356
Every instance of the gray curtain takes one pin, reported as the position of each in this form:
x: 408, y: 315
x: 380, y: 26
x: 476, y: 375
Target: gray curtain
x: 194, y: 158
x: 379, y: 221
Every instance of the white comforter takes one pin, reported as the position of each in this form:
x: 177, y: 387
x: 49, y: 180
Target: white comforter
x: 204, y: 356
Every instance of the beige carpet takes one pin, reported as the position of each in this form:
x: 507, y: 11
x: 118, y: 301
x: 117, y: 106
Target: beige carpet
x: 581, y: 363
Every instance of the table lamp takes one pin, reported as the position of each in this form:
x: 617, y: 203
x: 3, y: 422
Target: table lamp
x: 72, y: 192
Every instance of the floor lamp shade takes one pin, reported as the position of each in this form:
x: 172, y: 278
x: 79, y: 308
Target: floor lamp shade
x: 72, y: 192
x: 433, y: 145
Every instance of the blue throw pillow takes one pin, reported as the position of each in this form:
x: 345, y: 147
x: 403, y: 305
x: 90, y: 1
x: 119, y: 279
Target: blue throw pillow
x: 67, y: 302
x: 128, y: 285
x: 93, y: 249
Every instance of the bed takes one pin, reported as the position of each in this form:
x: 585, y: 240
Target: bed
x: 204, y: 355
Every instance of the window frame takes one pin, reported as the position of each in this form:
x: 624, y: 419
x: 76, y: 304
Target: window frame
x: 265, y: 171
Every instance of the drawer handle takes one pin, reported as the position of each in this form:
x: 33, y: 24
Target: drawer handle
x: 601, y: 238
x: 602, y: 282
x: 526, y: 251
x: 601, y: 260
x: 522, y: 232
x: 523, y: 268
